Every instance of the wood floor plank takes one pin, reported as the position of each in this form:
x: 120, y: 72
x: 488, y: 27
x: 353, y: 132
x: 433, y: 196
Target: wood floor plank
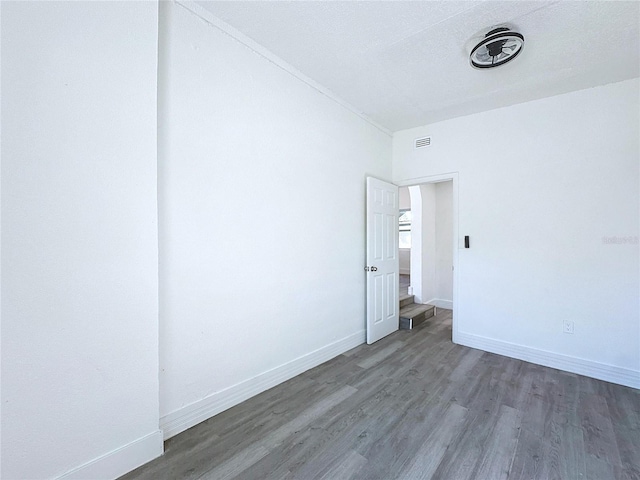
x: 236, y: 464
x: 501, y: 447
x: 392, y: 448
x: 624, y: 412
x: 428, y: 457
x: 600, y: 469
x: 246, y: 457
x: 571, y: 457
x: 259, y: 409
x: 348, y: 427
x: 528, y: 461
x: 598, y: 429
x: 462, y: 458
x: 276, y: 464
x: 380, y: 356
x: 243, y: 435
x: 321, y: 407
x: 463, y: 367
x: 356, y: 429
x: 345, y: 467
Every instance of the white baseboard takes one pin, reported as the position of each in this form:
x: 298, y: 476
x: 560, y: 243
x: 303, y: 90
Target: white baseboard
x: 190, y: 415
x: 405, y: 271
x: 588, y: 368
x: 121, y: 460
x: 438, y: 302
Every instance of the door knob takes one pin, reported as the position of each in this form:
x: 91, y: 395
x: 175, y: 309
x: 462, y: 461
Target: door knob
x: 374, y: 269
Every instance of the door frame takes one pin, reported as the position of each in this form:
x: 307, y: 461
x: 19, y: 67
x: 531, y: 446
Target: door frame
x: 457, y: 243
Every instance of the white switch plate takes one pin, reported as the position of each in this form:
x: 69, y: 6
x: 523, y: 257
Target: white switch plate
x: 567, y: 326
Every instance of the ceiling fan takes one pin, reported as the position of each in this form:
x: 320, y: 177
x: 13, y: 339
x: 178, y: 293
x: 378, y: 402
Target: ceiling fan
x: 500, y: 45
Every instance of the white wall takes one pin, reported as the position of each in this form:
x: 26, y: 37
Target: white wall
x: 428, y: 238
x: 404, y: 257
x: 79, y: 239
x: 416, y: 252
x: 404, y: 198
x: 444, y: 243
x: 537, y: 203
x: 242, y: 139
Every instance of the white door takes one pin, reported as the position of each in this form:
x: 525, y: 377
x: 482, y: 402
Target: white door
x: 382, y: 259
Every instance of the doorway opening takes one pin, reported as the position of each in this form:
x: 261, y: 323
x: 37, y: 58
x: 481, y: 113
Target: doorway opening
x: 428, y: 258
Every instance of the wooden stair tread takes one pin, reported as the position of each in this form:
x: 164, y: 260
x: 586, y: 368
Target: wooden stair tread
x: 413, y: 310
x: 406, y: 300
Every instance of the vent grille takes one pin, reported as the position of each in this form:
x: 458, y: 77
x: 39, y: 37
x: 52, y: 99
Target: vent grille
x: 423, y: 142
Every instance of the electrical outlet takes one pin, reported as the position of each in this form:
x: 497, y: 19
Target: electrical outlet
x: 567, y: 326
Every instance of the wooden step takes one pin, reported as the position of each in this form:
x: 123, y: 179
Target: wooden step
x: 414, y: 314
x: 406, y: 300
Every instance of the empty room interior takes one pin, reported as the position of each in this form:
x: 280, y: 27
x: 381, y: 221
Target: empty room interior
x: 215, y: 216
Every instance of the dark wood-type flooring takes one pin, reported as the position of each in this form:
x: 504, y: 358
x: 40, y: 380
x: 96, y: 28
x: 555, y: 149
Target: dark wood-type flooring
x: 416, y: 406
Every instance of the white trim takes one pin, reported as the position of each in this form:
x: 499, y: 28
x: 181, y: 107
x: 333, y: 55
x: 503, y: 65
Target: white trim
x: 237, y: 35
x: 405, y: 271
x: 121, y: 460
x: 581, y: 366
x: 443, y: 177
x: 192, y: 414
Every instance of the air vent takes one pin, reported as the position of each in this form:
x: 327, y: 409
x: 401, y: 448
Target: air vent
x: 423, y: 142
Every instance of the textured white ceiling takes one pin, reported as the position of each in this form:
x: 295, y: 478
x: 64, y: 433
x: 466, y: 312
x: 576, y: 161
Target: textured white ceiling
x: 405, y: 63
